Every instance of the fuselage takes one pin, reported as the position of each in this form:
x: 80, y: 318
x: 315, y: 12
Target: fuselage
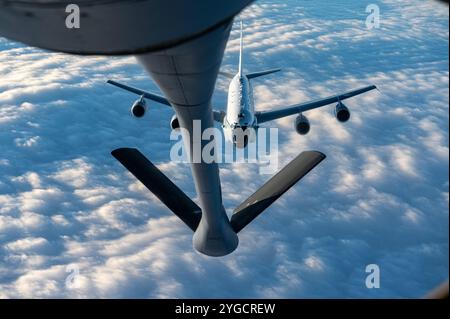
x: 240, y: 114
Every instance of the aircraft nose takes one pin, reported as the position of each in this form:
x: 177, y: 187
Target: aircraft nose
x: 240, y: 136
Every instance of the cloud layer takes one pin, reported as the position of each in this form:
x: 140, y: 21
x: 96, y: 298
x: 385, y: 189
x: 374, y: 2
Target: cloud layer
x: 380, y: 197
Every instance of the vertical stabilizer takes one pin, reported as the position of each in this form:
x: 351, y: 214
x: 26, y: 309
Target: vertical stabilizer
x: 241, y: 47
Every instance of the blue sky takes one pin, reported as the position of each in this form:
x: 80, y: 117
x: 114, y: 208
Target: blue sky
x: 380, y: 197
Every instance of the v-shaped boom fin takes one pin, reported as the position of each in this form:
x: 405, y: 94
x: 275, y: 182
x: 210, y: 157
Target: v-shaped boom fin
x: 245, y: 213
x: 160, y: 185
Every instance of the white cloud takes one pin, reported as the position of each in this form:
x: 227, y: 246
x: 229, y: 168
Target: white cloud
x: 403, y: 160
x: 74, y: 173
x: 27, y: 244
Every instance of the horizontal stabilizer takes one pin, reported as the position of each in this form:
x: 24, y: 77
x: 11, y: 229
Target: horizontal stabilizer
x: 227, y: 75
x: 274, y: 188
x: 258, y: 74
x: 160, y: 185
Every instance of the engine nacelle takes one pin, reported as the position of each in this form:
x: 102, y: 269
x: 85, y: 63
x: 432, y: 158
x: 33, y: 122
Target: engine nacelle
x: 174, y: 123
x: 139, y: 108
x: 302, y: 125
x: 342, y: 112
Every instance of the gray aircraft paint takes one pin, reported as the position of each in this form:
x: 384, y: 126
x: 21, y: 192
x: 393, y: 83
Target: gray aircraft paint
x: 187, y: 74
x: 114, y: 27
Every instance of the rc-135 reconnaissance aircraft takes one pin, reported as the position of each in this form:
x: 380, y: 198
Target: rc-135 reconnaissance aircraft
x: 240, y: 114
x: 183, y: 55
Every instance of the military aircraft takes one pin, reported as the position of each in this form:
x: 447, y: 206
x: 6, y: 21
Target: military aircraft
x: 240, y: 117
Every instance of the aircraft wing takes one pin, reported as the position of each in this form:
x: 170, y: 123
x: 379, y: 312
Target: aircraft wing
x: 303, y: 107
x: 147, y: 95
x: 218, y: 115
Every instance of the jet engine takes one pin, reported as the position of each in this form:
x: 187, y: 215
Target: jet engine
x: 139, y: 108
x: 302, y: 125
x: 342, y: 112
x: 174, y: 123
